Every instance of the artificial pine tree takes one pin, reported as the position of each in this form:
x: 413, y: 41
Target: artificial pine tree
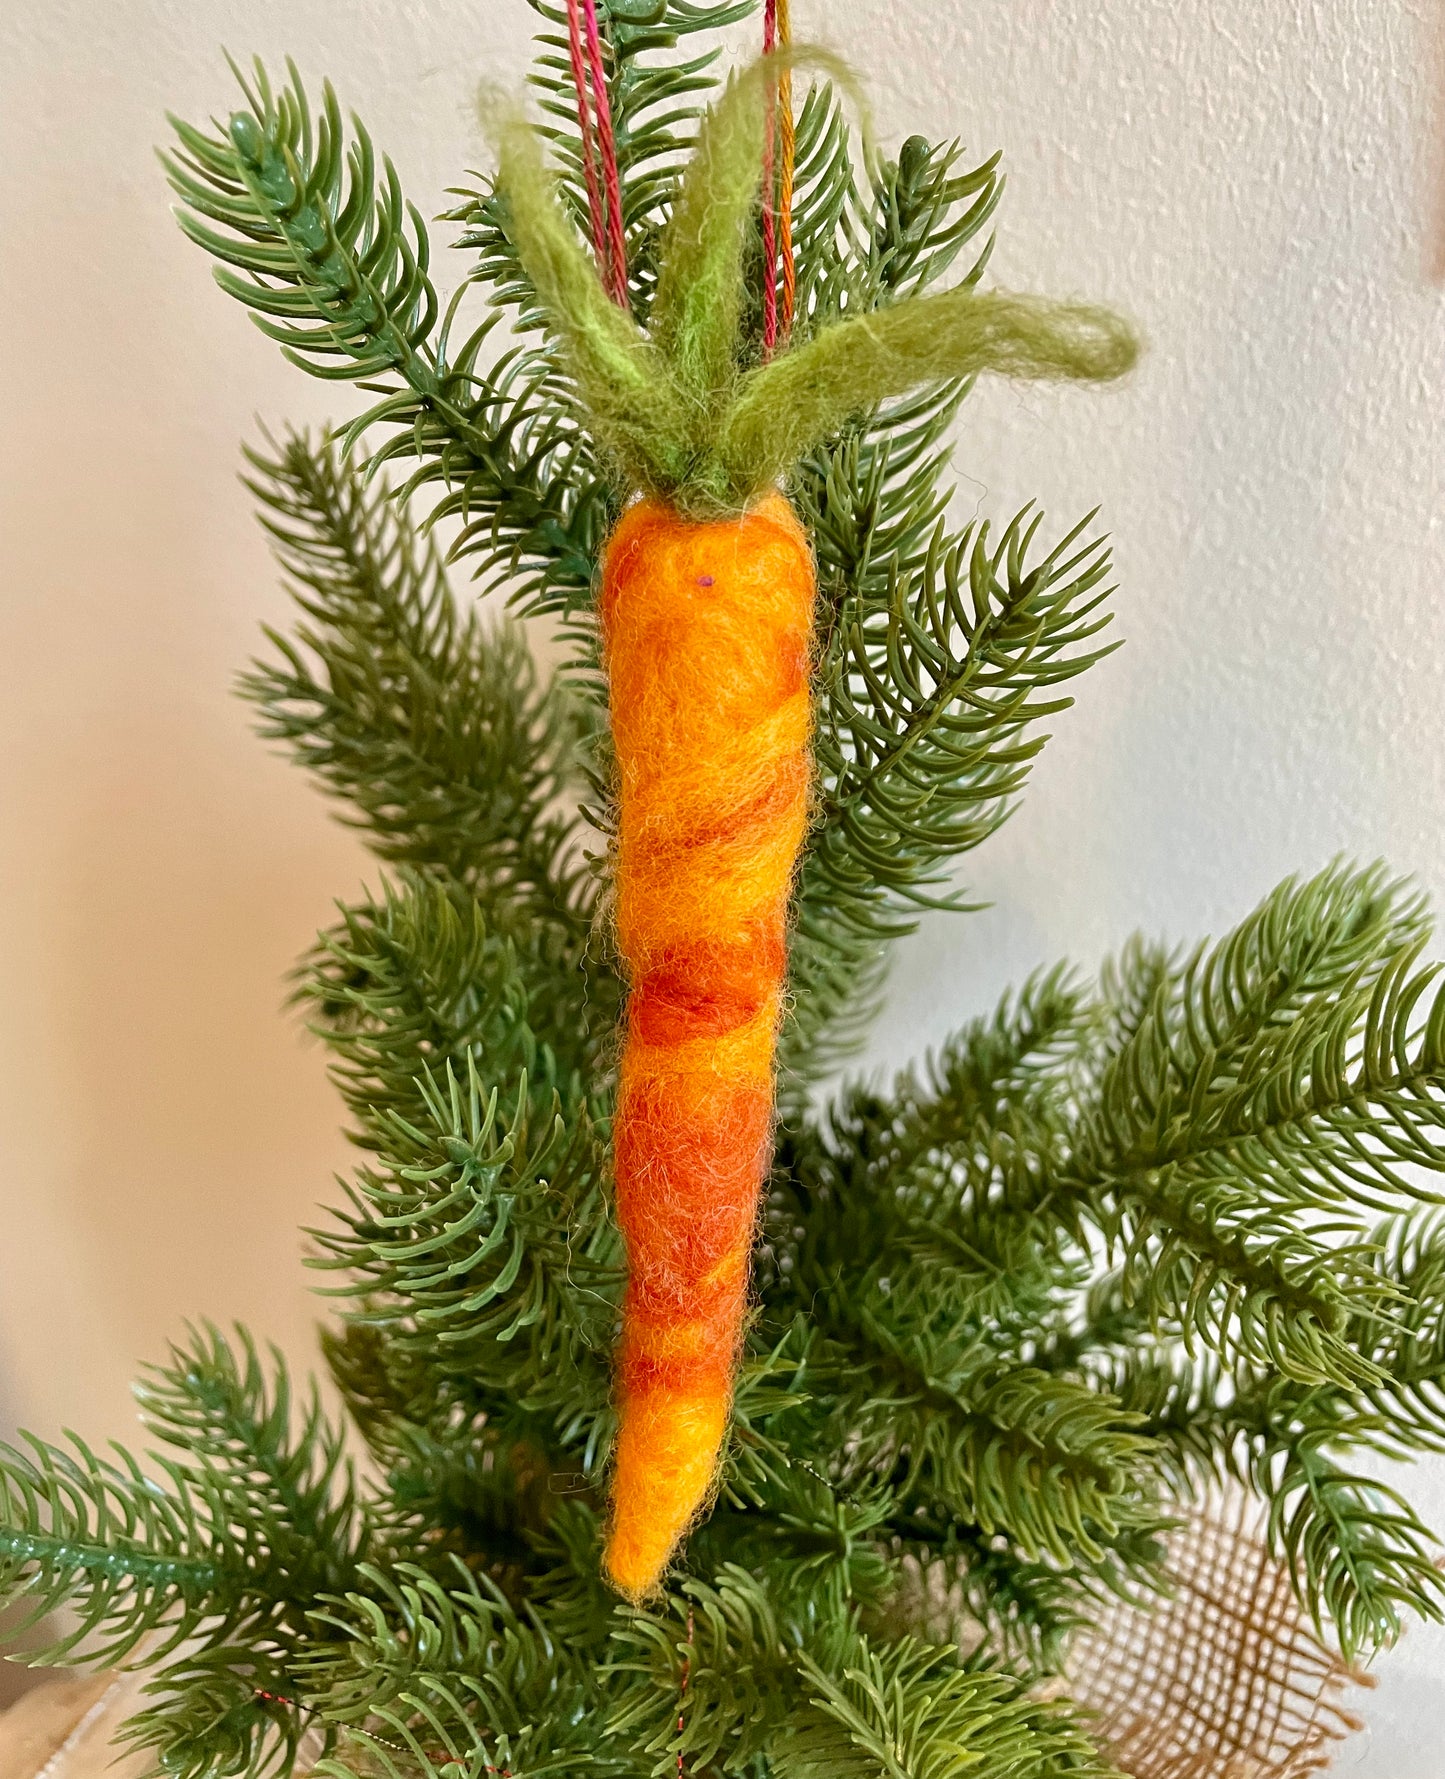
x: 1124, y: 1239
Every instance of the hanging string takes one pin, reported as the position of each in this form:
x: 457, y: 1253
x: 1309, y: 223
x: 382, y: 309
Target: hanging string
x: 778, y: 157
x: 770, y: 195
x: 614, y: 270
x: 682, y: 1693
x: 599, y: 147
x: 584, y: 126
x: 785, y: 177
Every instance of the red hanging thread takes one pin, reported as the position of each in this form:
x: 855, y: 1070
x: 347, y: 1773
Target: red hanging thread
x: 599, y: 147
x: 682, y: 1690
x: 584, y: 126
x: 615, y: 268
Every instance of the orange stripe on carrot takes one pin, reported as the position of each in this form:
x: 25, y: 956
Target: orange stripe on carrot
x: 707, y: 629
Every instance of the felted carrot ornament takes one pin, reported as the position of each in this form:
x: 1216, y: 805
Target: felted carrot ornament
x: 707, y: 607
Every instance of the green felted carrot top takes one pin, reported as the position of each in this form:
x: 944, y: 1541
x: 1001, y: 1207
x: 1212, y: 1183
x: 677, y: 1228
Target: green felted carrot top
x: 681, y: 411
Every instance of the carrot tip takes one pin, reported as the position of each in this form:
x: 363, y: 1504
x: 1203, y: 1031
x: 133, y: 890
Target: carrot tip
x: 666, y: 1455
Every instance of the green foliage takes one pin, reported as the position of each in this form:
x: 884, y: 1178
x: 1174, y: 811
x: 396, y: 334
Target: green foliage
x: 429, y: 724
x: 1258, y: 1103
x: 129, y: 1559
x: 908, y: 1711
x: 1119, y: 1242
x: 933, y: 688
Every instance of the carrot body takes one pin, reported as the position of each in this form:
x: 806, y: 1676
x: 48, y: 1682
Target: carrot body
x: 707, y: 628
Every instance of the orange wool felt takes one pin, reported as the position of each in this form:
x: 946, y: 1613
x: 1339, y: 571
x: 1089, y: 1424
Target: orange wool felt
x: 707, y: 627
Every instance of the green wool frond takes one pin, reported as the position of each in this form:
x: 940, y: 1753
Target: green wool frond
x: 697, y: 312
x: 632, y: 403
x: 659, y: 56
x: 683, y: 417
x: 784, y: 408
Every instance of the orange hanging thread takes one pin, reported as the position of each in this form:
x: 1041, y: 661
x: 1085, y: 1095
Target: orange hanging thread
x: 779, y: 149
x: 770, y: 193
x: 707, y: 627
x: 787, y: 156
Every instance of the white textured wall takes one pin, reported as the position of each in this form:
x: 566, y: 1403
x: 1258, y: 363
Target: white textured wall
x: 1253, y: 179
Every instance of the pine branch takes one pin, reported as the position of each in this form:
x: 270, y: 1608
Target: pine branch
x: 838, y: 1704
x: 922, y: 1180
x: 432, y: 725
x: 319, y: 243
x: 420, y: 1675
x: 479, y: 1243
x: 940, y: 1388
x: 1360, y: 1556
x: 964, y: 1588
x: 924, y: 737
x: 132, y: 1560
x: 741, y: 1679
x: 1280, y: 1085
x: 1056, y: 1466
x: 227, y: 1711
x: 905, y: 1711
x: 824, y: 1550
x: 314, y: 238
x: 226, y: 1419
x: 929, y: 705
x: 249, y: 1525
x: 1367, y: 1558
x: 242, y: 1531
x: 872, y: 500
x: 413, y: 980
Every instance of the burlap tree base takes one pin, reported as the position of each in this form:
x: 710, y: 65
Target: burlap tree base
x: 1226, y: 1680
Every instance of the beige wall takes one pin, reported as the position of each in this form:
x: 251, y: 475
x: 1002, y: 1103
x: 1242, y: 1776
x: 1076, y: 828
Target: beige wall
x: 164, y: 1127
x: 1255, y: 179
